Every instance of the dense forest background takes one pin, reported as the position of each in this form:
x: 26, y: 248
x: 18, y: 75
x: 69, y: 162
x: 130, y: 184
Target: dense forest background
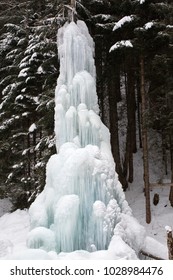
x: 134, y: 62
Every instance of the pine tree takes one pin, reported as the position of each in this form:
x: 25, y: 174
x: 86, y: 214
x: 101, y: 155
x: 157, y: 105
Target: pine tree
x: 29, y: 75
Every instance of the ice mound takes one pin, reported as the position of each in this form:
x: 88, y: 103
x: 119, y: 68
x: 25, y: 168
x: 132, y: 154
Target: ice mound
x: 82, y: 210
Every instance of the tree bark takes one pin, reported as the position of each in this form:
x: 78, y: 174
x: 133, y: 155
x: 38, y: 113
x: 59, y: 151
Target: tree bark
x: 131, y: 114
x: 131, y: 146
x: 170, y: 244
x: 139, y: 111
x: 113, y: 89
x: 99, y: 61
x: 171, y: 152
x: 73, y: 5
x: 145, y: 142
x: 164, y: 151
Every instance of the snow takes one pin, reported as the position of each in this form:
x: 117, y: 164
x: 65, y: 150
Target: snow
x: 148, y: 25
x: 40, y: 70
x: 25, y: 114
x: 168, y: 228
x: 121, y: 44
x: 23, y: 72
x: 161, y: 214
x: 14, y: 228
x: 5, y: 206
x: 19, y: 97
x: 155, y: 248
x: 32, y: 127
x: 13, y: 235
x: 122, y: 21
x: 141, y: 1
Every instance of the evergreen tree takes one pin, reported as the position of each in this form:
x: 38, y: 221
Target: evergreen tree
x: 28, y: 78
x: 143, y: 27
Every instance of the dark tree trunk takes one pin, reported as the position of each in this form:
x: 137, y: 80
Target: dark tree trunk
x: 29, y: 155
x: 131, y: 119
x: 114, y: 88
x: 34, y: 144
x: 139, y: 112
x: 164, y: 151
x: 99, y: 61
x: 145, y: 142
x: 171, y: 151
x: 131, y: 114
x: 170, y: 244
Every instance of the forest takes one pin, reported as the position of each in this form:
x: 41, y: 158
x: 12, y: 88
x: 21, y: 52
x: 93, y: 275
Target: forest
x: 134, y: 63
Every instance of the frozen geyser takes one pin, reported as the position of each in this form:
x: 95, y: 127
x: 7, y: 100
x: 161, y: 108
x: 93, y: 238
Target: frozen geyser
x: 82, y: 205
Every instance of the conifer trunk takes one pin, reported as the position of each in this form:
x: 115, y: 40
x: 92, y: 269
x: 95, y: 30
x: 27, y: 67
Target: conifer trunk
x: 99, y: 61
x: 145, y: 142
x: 113, y: 89
x: 170, y: 244
x: 131, y: 115
x: 164, y: 151
x: 139, y: 112
x: 171, y: 189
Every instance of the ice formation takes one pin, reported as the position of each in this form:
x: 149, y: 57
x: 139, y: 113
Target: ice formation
x: 82, y: 206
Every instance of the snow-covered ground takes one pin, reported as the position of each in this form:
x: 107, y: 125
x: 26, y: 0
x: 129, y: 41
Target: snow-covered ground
x: 14, y: 227
x: 162, y: 213
x: 5, y: 206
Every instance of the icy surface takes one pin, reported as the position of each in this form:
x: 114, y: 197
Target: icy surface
x: 82, y: 207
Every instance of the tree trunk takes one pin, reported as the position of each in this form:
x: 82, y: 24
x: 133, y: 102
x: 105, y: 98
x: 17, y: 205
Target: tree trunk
x: 164, y: 151
x: 99, y: 61
x: 139, y: 112
x: 113, y: 89
x: 131, y: 118
x: 73, y: 5
x: 145, y: 142
x: 29, y: 155
x: 131, y: 114
x: 171, y: 189
x: 170, y: 243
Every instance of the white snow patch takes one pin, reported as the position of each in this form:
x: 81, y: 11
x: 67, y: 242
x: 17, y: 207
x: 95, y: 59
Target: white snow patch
x: 5, y: 206
x: 40, y: 70
x: 141, y: 1
x: 122, y: 21
x: 168, y: 229
x: 148, y: 25
x: 23, y: 72
x: 120, y: 44
x: 14, y: 228
x: 32, y: 127
x: 155, y: 248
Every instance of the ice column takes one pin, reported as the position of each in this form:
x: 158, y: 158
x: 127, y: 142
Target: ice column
x: 82, y: 202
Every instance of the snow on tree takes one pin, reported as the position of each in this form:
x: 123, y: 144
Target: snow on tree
x: 82, y: 205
